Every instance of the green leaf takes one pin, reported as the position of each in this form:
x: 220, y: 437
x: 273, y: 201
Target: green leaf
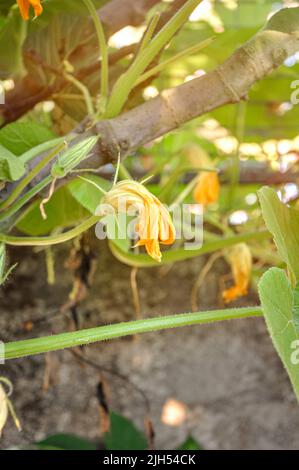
x: 62, y: 210
x: 286, y: 20
x: 277, y: 299
x: 190, y: 444
x: 86, y: 193
x: 11, y: 167
x: 19, y: 137
x: 12, y: 37
x: 65, y: 442
x: 246, y: 14
x: 124, y: 435
x: 283, y: 222
x: 4, y: 8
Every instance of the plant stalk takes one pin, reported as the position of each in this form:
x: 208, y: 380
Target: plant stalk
x: 31, y: 347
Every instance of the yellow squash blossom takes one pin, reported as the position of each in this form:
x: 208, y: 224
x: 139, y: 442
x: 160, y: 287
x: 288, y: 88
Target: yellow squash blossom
x: 240, y: 260
x: 154, y: 222
x: 24, y: 6
x: 207, y: 188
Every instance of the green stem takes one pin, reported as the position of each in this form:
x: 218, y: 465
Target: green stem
x: 186, y: 191
x: 45, y: 344
x: 149, y: 32
x: 124, y: 173
x: 181, y: 55
x: 85, y: 92
x: 26, y: 198
x: 170, y: 184
x: 172, y: 256
x: 52, y: 239
x: 31, y: 175
x: 39, y: 149
x: 126, y: 81
x: 235, y: 160
x: 103, y: 48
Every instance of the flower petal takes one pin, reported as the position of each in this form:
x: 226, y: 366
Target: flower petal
x: 24, y: 6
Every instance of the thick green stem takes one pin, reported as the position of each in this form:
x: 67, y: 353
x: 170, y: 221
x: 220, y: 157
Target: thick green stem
x: 51, y: 240
x: 235, y: 160
x: 85, y: 93
x: 181, y: 254
x: 77, y: 338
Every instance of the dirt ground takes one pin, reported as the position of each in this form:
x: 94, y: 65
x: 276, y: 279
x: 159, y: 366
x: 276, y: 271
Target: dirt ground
x: 229, y: 377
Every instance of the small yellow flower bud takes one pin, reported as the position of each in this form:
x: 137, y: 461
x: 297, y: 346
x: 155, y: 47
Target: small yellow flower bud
x: 207, y: 188
x: 240, y: 259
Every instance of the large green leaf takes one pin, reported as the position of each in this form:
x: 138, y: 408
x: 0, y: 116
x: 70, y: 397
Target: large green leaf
x: 11, y: 167
x: 296, y: 307
x: 123, y: 435
x: 269, y: 112
x: 19, y: 137
x: 86, y: 191
x: 190, y: 444
x: 12, y: 37
x: 283, y: 222
x: 62, y: 210
x: 246, y: 13
x: 65, y: 442
x: 277, y: 299
x: 87, y: 194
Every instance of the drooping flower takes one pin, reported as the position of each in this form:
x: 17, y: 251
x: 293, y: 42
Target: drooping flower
x: 240, y: 259
x: 24, y: 6
x: 207, y: 188
x: 154, y: 222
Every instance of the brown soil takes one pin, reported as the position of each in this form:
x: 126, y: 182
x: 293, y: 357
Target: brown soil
x: 228, y: 375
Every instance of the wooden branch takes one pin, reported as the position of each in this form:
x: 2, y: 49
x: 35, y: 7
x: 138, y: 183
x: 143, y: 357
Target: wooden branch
x: 228, y: 83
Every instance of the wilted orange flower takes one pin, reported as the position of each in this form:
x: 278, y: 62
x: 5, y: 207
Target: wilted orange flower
x: 207, y: 188
x: 154, y: 222
x: 24, y: 6
x: 240, y: 260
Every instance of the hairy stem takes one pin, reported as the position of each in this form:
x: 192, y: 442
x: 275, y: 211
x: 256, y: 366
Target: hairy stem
x: 180, y: 254
x: 52, y: 239
x: 77, y: 338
